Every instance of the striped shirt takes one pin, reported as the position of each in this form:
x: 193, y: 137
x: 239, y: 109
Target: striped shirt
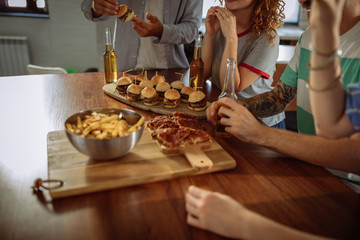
x: 297, y: 72
x: 353, y: 105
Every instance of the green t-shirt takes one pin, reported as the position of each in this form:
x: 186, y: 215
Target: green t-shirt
x: 297, y: 72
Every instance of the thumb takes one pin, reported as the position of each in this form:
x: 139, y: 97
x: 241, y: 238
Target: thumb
x: 151, y: 18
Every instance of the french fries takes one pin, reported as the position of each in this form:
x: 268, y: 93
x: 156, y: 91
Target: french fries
x: 102, y: 126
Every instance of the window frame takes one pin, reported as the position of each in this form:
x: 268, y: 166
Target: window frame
x: 31, y: 10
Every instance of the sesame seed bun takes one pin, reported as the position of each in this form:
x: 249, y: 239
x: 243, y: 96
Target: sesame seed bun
x: 157, y: 79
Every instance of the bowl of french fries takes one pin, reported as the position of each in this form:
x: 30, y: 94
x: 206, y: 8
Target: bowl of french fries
x: 104, y: 133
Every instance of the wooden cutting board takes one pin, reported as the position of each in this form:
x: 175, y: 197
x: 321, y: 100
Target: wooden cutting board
x: 146, y: 163
x: 110, y: 89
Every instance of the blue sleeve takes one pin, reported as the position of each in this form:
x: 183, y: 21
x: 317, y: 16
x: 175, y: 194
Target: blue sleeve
x: 353, y: 105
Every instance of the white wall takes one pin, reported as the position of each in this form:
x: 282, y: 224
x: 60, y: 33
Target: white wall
x: 66, y: 39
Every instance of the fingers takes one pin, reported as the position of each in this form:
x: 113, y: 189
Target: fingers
x: 193, y: 221
x: 211, y: 113
x: 222, y: 13
x: 152, y: 19
x: 108, y: 7
x: 197, y: 192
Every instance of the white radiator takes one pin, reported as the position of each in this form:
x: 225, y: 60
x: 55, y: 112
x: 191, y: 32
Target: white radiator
x: 14, y: 55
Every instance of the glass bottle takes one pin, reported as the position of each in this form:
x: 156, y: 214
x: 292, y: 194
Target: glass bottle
x: 228, y: 90
x: 197, y: 66
x: 110, y: 63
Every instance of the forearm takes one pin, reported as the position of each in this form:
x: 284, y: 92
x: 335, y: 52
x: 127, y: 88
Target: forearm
x: 230, y: 51
x: 327, y: 95
x: 314, y: 149
x: 207, y: 54
x: 259, y: 227
x: 270, y: 103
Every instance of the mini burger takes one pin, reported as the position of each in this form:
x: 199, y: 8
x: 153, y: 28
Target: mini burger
x: 185, y: 93
x: 122, y: 84
x: 177, y: 85
x: 149, y: 96
x: 133, y: 92
x: 171, y: 98
x: 156, y: 79
x: 146, y: 83
x: 197, y: 101
x: 125, y: 13
x: 161, y: 88
x: 139, y: 78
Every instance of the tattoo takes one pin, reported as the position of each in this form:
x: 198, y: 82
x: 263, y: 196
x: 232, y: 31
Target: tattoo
x: 270, y: 103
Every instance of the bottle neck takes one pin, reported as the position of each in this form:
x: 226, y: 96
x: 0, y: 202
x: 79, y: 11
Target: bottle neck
x: 197, y: 53
x: 109, y: 47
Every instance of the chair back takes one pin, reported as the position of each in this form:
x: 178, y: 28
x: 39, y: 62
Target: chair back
x: 34, y: 69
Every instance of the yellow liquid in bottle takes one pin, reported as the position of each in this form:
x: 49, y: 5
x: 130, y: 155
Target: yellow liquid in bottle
x: 110, y: 65
x: 196, y: 74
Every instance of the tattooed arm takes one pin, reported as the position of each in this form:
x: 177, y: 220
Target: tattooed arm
x: 270, y: 103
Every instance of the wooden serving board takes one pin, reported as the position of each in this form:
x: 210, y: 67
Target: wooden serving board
x: 110, y: 89
x: 146, y: 163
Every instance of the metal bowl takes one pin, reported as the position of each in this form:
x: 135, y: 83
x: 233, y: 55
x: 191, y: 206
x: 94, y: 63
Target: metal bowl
x: 110, y: 148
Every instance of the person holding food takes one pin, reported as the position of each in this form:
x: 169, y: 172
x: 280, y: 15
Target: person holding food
x: 246, y: 31
x: 155, y: 37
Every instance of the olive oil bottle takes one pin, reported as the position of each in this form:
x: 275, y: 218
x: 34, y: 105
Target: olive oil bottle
x: 197, y: 66
x: 110, y: 62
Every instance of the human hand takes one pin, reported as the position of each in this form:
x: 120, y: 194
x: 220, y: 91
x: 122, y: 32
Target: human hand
x: 104, y: 7
x: 212, y: 24
x: 211, y: 113
x: 153, y: 28
x: 215, y: 212
x: 227, y: 23
x: 239, y: 121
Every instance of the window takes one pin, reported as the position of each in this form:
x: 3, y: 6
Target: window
x: 26, y: 8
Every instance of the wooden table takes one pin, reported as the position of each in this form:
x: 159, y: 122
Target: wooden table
x: 289, y: 191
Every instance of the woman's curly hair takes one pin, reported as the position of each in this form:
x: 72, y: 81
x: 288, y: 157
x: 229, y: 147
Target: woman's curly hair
x: 267, y: 17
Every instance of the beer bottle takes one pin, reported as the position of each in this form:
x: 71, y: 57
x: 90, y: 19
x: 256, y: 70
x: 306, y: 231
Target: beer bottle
x: 197, y: 66
x: 110, y: 63
x: 228, y: 90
